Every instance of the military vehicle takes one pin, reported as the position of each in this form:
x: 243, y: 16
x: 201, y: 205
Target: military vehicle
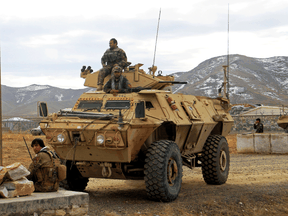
x: 283, y: 119
x: 147, y: 134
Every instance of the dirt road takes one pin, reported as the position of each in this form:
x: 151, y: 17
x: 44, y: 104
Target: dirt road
x: 257, y: 185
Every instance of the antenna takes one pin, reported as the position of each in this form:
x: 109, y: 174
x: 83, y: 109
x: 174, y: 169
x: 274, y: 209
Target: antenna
x: 152, y: 68
x: 228, y: 58
x: 1, y: 160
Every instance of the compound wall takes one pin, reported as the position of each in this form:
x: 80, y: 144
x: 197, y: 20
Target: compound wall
x: 263, y: 143
x: 244, y: 124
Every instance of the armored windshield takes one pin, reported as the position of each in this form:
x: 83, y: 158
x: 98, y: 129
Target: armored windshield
x: 90, y: 105
x: 117, y: 104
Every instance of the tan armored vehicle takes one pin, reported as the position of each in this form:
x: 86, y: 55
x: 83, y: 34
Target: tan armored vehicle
x: 283, y: 119
x: 147, y: 134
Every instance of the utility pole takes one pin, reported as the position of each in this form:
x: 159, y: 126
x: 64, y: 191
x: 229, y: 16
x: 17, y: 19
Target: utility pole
x: 227, y: 74
x: 1, y: 160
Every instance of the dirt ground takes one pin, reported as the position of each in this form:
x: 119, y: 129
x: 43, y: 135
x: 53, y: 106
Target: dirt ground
x: 257, y: 185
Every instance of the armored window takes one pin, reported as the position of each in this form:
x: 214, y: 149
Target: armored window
x: 149, y: 105
x: 90, y: 105
x: 117, y: 104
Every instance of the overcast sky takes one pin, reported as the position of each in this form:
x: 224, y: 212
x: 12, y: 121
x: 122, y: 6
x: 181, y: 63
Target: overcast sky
x: 47, y: 42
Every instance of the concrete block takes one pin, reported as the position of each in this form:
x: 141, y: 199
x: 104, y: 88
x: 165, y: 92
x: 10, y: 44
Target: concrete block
x: 40, y: 201
x: 245, y: 143
x: 262, y: 143
x: 279, y: 143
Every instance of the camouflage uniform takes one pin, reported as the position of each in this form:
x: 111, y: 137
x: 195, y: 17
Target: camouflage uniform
x: 43, y: 172
x: 112, y: 57
x: 121, y: 84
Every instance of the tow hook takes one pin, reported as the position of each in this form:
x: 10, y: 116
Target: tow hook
x: 106, y: 169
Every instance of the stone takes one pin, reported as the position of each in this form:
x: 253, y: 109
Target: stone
x: 48, y: 212
x: 60, y: 212
x: 3, y: 192
x: 20, y: 187
x: 16, y: 171
x: 3, y: 171
x: 78, y: 210
x: 245, y: 143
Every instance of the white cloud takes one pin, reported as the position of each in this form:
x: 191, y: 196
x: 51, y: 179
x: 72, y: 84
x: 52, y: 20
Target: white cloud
x: 39, y: 39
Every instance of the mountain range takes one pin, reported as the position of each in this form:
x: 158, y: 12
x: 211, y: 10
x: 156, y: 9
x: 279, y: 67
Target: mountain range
x: 251, y: 81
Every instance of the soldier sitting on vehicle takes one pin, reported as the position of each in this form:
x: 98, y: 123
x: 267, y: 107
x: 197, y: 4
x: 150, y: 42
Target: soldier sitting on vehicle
x: 43, y: 171
x: 117, y: 83
x: 114, y: 56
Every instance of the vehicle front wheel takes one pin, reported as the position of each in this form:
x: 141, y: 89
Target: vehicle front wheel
x: 74, y: 179
x: 163, y: 171
x: 215, y: 160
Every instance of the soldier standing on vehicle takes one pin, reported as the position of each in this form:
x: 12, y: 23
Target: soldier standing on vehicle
x: 114, y: 56
x: 117, y: 83
x: 258, y: 126
x: 42, y: 169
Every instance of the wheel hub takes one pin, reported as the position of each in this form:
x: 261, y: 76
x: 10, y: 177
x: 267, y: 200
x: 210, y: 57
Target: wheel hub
x: 223, y: 160
x: 172, y: 171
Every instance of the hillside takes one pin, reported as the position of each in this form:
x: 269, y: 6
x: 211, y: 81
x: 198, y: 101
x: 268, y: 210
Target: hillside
x: 252, y: 80
x: 23, y: 101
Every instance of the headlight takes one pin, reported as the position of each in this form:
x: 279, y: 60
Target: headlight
x: 100, y: 139
x: 60, y: 138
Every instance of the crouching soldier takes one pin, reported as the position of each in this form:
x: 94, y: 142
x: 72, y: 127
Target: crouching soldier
x: 43, y: 171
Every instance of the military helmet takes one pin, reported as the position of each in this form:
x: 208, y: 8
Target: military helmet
x: 116, y: 68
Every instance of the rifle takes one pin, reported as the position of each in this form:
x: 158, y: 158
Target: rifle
x: 27, y: 148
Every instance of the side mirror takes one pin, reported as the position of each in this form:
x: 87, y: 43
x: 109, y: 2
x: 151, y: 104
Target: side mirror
x: 42, y: 109
x: 140, y: 109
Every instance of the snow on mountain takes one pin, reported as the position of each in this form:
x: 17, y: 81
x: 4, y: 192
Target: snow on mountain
x: 252, y: 80
x: 32, y: 88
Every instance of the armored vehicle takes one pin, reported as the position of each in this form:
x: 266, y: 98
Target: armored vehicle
x: 148, y: 134
x: 283, y: 119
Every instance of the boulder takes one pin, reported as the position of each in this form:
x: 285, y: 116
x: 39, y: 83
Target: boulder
x: 16, y: 171
x: 3, y: 171
x: 3, y: 192
x: 20, y: 187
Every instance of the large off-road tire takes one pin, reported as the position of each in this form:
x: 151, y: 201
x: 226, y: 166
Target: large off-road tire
x: 215, y: 160
x: 163, y: 171
x: 75, y: 181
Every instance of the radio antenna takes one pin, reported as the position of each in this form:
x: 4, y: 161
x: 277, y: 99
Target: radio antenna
x: 156, y: 42
x: 228, y: 57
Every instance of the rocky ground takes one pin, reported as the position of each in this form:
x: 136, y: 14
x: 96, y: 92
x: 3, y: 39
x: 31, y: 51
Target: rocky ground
x: 257, y: 185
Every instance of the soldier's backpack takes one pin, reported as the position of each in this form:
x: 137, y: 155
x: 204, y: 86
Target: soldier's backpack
x: 60, y: 168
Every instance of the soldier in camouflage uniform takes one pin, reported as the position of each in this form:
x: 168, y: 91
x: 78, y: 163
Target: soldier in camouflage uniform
x: 117, y: 83
x: 111, y: 58
x: 42, y: 169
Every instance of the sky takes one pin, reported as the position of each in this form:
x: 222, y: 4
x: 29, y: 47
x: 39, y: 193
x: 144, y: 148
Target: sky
x: 47, y: 42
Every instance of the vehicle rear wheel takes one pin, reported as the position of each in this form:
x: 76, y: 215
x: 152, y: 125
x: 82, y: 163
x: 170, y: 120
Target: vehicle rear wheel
x: 75, y: 180
x: 163, y: 171
x: 215, y: 160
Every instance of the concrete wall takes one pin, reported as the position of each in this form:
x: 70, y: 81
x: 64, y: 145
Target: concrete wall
x: 263, y: 143
x: 60, y: 203
x: 244, y: 124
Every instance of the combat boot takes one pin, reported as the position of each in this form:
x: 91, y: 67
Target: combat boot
x: 99, y: 87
